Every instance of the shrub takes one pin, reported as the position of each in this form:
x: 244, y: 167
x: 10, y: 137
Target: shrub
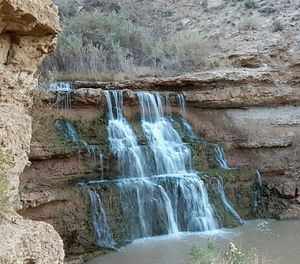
x: 233, y: 255
x: 94, y: 42
x: 96, y: 45
x: 204, y: 256
x: 183, y: 51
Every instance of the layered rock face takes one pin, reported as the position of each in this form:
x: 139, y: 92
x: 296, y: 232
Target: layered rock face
x: 253, y: 112
x: 27, y: 33
x: 252, y: 109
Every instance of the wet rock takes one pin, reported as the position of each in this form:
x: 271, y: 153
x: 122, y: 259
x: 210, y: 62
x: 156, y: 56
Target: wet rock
x: 292, y: 213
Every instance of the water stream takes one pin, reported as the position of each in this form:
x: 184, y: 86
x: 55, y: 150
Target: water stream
x: 187, y: 127
x: 269, y: 237
x: 220, y: 157
x: 157, y: 190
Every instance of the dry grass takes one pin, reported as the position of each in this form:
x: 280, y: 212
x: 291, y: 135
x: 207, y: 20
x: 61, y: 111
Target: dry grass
x: 101, y: 45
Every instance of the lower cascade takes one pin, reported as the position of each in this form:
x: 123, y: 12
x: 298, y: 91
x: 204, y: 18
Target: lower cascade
x: 157, y: 191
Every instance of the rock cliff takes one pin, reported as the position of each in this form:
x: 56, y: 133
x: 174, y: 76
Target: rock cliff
x: 28, y: 32
x: 250, y: 106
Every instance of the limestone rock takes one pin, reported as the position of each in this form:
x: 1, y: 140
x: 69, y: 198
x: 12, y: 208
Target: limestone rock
x: 28, y: 32
x: 25, y: 241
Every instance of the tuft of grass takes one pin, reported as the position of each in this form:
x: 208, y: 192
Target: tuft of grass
x: 233, y: 255
x: 3, y: 182
x: 3, y: 159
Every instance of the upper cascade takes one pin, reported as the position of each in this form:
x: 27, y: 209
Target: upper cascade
x: 171, y: 155
x: 123, y: 141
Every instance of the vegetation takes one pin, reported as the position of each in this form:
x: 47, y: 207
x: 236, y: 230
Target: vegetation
x: 3, y: 159
x: 120, y: 44
x: 3, y: 181
x: 233, y: 255
x: 111, y: 40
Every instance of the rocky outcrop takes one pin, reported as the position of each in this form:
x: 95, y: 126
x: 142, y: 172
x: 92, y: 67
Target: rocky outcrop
x: 28, y: 32
x: 29, y: 242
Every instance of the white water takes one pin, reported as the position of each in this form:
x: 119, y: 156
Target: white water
x: 220, y: 157
x: 170, y: 153
x: 160, y: 193
x: 123, y: 141
x: 149, y: 201
x: 101, y: 228
x: 226, y: 202
x: 257, y: 191
x: 187, y: 127
x: 63, y: 92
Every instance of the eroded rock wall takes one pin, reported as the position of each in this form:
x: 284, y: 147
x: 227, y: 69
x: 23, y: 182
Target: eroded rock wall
x: 28, y: 32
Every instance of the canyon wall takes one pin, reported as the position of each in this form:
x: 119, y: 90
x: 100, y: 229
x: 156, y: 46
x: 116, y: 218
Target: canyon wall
x: 252, y: 112
x: 250, y: 105
x: 28, y: 32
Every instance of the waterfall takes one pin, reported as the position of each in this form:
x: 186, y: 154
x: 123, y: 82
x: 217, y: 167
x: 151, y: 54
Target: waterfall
x: 187, y: 127
x: 226, y: 202
x: 157, y: 190
x: 220, y: 157
x: 257, y: 191
x: 149, y: 201
x: 63, y: 92
x: 60, y: 86
x: 191, y: 204
x: 68, y: 130
x: 102, y: 231
x: 122, y: 139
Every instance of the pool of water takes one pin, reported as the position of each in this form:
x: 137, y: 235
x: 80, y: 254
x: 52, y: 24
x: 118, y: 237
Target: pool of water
x: 276, y: 241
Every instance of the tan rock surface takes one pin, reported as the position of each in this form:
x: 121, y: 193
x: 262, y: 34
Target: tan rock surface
x: 29, y: 242
x: 28, y: 32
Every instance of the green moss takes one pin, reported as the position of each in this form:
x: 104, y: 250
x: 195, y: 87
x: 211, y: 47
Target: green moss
x: 44, y: 131
x: 4, y: 203
x: 3, y: 159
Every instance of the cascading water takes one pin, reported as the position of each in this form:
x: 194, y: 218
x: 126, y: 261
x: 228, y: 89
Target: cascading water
x: 101, y: 228
x: 257, y: 190
x: 157, y: 190
x: 123, y: 141
x: 226, y: 202
x: 187, y: 127
x: 63, y: 92
x: 220, y: 157
x: 149, y: 201
x: 170, y: 153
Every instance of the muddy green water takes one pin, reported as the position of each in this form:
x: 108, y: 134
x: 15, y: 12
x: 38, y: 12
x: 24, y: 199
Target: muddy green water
x: 277, y: 241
